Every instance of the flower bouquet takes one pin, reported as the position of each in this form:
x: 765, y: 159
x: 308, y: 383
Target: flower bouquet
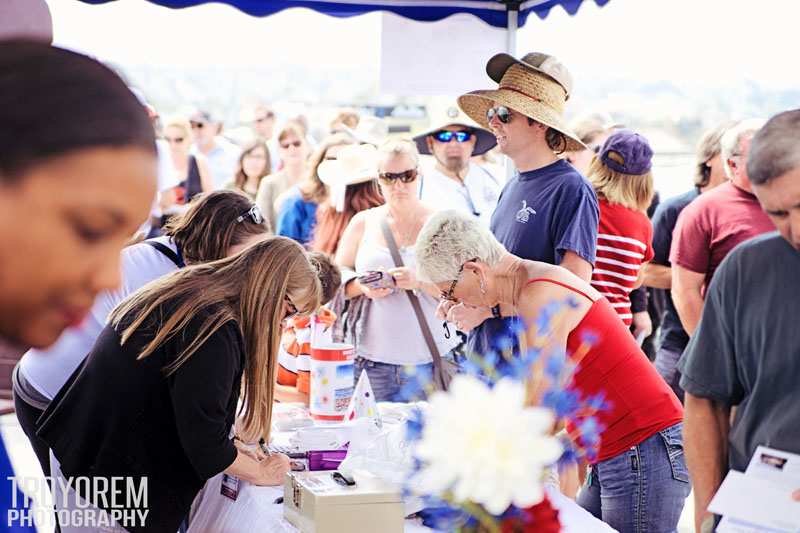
x: 483, y: 448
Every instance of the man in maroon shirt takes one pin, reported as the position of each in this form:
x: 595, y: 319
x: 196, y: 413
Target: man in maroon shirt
x: 713, y: 224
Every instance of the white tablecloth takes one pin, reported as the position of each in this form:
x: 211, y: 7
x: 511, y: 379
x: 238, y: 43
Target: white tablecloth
x: 254, y: 510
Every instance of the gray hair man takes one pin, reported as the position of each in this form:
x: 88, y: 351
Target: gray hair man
x: 745, y: 350
x: 709, y: 173
x: 711, y: 226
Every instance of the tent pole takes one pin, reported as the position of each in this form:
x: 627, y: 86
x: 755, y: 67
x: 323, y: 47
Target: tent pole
x: 512, y: 9
x: 511, y: 32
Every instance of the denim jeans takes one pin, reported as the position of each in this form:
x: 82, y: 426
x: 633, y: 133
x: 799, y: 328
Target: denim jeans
x: 642, y: 489
x: 667, y: 365
x: 386, y: 379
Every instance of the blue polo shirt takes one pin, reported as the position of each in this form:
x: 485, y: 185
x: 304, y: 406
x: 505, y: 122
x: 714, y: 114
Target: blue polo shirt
x: 541, y: 215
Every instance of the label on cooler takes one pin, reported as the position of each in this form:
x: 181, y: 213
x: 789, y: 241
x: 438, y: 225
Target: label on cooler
x: 331, y: 381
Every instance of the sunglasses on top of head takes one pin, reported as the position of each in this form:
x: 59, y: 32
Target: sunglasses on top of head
x: 254, y: 214
x: 445, y: 136
x: 406, y: 176
x: 501, y: 112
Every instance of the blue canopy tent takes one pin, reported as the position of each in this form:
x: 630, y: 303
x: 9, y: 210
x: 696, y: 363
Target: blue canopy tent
x: 509, y: 14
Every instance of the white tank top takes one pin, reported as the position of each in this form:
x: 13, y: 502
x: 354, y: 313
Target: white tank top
x: 392, y: 333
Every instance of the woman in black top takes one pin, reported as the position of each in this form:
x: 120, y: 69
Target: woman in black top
x: 156, y: 398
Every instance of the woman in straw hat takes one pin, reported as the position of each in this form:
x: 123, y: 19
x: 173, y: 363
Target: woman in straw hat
x: 548, y: 212
x: 455, y: 182
x: 353, y: 182
x: 391, y: 337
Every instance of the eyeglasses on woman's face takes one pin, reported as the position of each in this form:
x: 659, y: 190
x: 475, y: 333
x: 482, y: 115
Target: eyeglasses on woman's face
x: 291, y: 144
x: 406, y: 176
x: 289, y: 309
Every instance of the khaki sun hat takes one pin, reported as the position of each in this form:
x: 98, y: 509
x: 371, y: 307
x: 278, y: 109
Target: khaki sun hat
x: 355, y: 163
x: 526, y: 88
x: 443, y: 114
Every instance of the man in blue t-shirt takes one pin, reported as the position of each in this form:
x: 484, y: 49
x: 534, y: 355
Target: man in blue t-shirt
x: 548, y: 211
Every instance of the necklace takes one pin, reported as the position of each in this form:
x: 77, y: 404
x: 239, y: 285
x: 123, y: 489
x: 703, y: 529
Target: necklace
x: 407, y: 236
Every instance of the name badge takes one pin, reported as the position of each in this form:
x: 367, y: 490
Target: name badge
x: 230, y: 487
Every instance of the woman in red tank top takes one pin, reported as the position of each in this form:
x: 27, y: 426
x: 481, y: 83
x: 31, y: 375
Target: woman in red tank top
x: 638, y: 480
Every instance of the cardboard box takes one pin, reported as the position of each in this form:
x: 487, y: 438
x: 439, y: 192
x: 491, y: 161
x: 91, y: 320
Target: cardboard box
x: 314, y: 503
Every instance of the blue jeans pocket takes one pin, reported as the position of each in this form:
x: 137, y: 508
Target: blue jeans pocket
x: 673, y: 442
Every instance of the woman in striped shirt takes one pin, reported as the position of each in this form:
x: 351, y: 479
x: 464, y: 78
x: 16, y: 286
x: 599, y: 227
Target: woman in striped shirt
x: 622, y: 177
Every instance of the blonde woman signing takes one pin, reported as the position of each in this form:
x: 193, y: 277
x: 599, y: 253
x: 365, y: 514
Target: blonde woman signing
x: 156, y: 398
x: 392, y: 337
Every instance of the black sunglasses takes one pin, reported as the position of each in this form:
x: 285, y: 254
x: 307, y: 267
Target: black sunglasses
x: 254, y: 214
x: 197, y: 125
x: 445, y: 136
x: 501, y: 112
x: 405, y: 177
x: 296, y: 144
x: 176, y: 140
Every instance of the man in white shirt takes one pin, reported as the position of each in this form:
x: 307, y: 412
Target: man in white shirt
x: 222, y: 155
x: 455, y: 182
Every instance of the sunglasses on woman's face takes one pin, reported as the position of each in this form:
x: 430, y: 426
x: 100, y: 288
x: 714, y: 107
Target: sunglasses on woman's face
x: 254, y: 214
x: 406, y: 176
x: 174, y: 140
x: 296, y: 144
x: 197, y: 125
x: 501, y: 112
x: 445, y: 136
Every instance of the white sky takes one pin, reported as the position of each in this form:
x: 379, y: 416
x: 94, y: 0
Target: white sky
x: 709, y: 42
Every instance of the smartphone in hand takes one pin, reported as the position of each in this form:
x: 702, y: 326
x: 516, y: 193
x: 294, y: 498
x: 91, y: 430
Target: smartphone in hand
x: 376, y: 279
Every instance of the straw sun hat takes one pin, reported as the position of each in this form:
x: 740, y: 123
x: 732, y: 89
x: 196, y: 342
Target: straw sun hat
x: 536, y: 86
x: 442, y: 116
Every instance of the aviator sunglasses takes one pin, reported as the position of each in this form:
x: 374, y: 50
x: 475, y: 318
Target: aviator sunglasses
x: 501, y: 112
x: 445, y: 136
x: 406, y: 176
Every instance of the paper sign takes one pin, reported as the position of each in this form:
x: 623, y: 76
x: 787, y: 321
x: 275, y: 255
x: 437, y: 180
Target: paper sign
x: 761, y: 498
x: 437, y: 58
x: 363, y: 404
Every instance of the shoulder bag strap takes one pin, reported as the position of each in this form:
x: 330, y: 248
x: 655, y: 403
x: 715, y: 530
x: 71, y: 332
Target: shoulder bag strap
x: 167, y: 251
x: 438, y: 371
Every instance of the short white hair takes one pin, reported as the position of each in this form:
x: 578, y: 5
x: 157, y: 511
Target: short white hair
x: 448, y: 240
x: 730, y: 144
x: 397, y: 148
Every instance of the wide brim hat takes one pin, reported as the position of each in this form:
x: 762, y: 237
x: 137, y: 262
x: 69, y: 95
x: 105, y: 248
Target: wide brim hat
x: 451, y: 115
x: 370, y: 130
x: 355, y: 163
x: 528, y: 91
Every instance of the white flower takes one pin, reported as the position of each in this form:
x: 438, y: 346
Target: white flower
x: 485, y: 445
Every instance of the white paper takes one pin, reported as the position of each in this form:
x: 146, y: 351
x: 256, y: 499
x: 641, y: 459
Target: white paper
x: 446, y: 57
x: 761, y: 498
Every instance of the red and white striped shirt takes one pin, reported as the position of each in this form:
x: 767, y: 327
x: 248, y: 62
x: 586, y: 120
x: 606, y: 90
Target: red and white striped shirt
x: 624, y: 243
